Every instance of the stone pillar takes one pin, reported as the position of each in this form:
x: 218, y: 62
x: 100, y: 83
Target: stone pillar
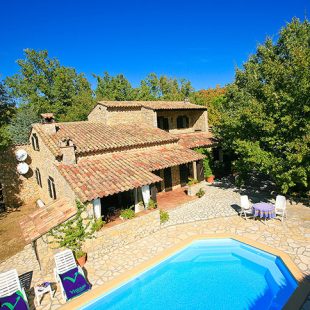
x: 97, y: 208
x: 195, y: 170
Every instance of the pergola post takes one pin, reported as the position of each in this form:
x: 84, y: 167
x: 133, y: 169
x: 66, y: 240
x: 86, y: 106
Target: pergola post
x: 195, y: 169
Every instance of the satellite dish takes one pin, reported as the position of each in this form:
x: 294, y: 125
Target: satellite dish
x: 22, y: 168
x: 21, y: 155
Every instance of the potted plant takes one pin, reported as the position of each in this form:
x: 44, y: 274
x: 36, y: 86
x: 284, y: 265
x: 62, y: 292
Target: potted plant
x: 207, y: 170
x: 73, y: 233
x: 208, y: 174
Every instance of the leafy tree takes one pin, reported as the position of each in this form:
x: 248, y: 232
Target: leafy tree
x: 46, y: 86
x: 163, y: 88
x: 212, y: 98
x: 7, y: 110
x: 266, y: 116
x: 20, y: 125
x: 113, y: 88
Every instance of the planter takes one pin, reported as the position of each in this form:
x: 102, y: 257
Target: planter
x: 82, y: 260
x: 192, y: 190
x: 210, y: 179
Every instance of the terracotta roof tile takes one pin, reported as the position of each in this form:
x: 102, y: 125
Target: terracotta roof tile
x: 196, y: 139
x: 98, y: 137
x: 41, y: 221
x: 154, y: 105
x: 117, y: 172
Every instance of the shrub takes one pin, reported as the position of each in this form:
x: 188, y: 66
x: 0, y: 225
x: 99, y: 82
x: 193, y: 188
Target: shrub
x: 164, y: 216
x: 192, y: 181
x: 200, y: 193
x: 128, y: 214
x: 152, y: 204
x: 98, y: 224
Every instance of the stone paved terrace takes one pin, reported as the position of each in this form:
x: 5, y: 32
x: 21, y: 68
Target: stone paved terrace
x: 213, y: 214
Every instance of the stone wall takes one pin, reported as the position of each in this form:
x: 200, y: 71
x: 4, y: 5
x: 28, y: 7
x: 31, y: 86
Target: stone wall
x: 106, y: 240
x: 98, y: 114
x: 17, y: 189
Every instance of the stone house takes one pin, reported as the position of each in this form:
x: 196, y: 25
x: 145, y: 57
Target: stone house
x: 122, y: 156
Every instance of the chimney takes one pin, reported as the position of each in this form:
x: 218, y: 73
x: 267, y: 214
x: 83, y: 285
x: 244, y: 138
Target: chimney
x: 68, y: 151
x: 48, y: 122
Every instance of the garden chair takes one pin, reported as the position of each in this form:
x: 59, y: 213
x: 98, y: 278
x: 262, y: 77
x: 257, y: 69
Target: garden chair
x: 65, y: 262
x: 11, y: 291
x: 280, y: 207
x: 246, y: 208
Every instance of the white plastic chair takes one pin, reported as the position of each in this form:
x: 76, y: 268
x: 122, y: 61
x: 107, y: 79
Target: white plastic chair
x: 280, y: 206
x: 246, y: 208
x: 65, y: 261
x: 9, y: 284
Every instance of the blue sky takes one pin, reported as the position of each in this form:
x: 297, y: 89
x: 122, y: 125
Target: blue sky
x: 202, y: 41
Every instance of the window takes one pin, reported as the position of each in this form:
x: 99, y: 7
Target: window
x: 51, y: 187
x: 38, y: 177
x: 163, y: 123
x: 35, y: 142
x: 182, y: 122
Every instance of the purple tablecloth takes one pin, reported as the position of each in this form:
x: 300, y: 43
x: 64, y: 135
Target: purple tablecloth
x: 264, y: 210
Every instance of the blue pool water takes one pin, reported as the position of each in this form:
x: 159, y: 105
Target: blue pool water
x: 208, y: 274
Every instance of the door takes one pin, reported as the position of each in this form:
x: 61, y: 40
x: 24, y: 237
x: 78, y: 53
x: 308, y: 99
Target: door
x: 183, y: 174
x: 168, y: 179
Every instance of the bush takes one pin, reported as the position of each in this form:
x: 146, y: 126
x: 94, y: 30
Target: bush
x: 152, y: 205
x: 192, y: 181
x: 200, y: 193
x: 164, y: 216
x: 128, y: 214
x: 73, y: 233
x: 98, y: 224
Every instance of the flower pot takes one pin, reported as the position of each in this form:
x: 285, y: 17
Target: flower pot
x: 82, y: 260
x: 210, y: 179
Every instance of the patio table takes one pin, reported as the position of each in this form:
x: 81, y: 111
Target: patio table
x: 264, y: 210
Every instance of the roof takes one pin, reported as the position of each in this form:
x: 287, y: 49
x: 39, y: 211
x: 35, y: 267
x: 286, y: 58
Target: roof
x: 97, y: 137
x: 41, y: 221
x: 153, y: 105
x: 196, y: 139
x: 121, y: 171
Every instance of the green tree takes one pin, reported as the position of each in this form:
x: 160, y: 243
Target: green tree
x: 20, y: 125
x: 7, y: 110
x: 46, y: 86
x: 163, y: 88
x: 266, y: 115
x: 113, y: 88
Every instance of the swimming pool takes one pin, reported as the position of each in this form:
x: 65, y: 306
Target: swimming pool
x: 207, y: 274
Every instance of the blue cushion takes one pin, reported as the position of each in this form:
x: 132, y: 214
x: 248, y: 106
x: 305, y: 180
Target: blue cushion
x: 15, y: 301
x: 74, y: 283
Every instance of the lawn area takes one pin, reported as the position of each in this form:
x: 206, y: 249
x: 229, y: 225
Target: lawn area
x: 11, y: 238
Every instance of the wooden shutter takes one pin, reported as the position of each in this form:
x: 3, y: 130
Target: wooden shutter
x: 200, y: 171
x: 168, y: 179
x: 183, y: 174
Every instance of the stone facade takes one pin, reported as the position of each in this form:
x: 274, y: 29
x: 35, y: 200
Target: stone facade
x: 17, y: 189
x: 45, y: 161
x: 198, y: 120
x: 112, y: 116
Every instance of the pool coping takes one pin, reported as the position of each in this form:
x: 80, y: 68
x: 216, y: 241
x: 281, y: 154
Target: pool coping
x: 295, y: 302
